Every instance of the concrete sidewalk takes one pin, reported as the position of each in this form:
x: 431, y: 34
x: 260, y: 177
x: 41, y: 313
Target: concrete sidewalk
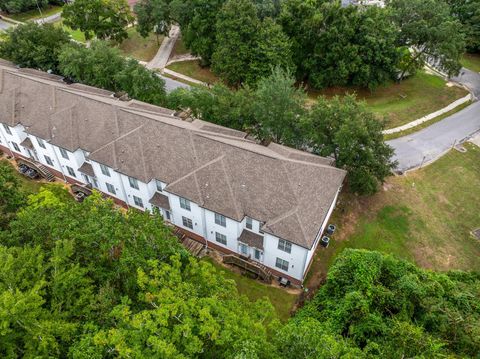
x: 161, y: 58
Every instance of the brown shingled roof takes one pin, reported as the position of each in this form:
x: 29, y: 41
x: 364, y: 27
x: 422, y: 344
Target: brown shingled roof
x: 87, y: 169
x: 160, y: 200
x: 290, y: 191
x: 252, y: 239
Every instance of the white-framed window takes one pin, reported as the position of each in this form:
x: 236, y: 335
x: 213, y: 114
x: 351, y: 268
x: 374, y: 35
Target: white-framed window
x: 86, y: 178
x: 70, y: 171
x: 220, y: 220
x: 185, y: 203
x: 282, y: 264
x: 110, y: 188
x: 133, y: 182
x: 249, y: 223
x: 187, y: 222
x: 7, y: 129
x: 16, y: 147
x: 95, y: 182
x: 138, y: 201
x: 48, y: 160
x: 159, y: 185
x: 221, y: 238
x: 167, y: 214
x: 243, y: 249
x: 105, y: 170
x: 284, y: 245
x: 64, y: 153
x: 41, y: 143
x: 257, y: 254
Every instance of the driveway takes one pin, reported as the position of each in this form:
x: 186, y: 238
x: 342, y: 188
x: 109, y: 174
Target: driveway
x: 432, y: 142
x: 161, y: 58
x: 171, y: 84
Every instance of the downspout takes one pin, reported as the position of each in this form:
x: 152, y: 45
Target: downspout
x: 205, y: 234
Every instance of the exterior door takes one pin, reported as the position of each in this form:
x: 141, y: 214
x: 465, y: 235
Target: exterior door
x: 243, y: 249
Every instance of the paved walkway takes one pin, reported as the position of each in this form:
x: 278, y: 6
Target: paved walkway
x: 5, y: 24
x: 49, y: 19
x: 161, y: 58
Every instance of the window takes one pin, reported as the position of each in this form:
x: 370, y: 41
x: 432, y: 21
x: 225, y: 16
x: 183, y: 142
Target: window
x: 284, y: 246
x: 221, y: 238
x: 138, y: 201
x: 220, y: 220
x: 167, y: 213
x: 48, y: 160
x: 185, y: 203
x: 133, y: 182
x: 249, y: 223
x: 257, y: 254
x: 282, y: 264
x: 110, y: 188
x: 86, y: 178
x: 7, y: 129
x: 187, y: 222
x: 41, y: 143
x: 16, y: 147
x: 95, y: 183
x: 105, y: 170
x: 70, y: 171
x: 64, y: 153
x: 159, y: 185
x: 243, y: 249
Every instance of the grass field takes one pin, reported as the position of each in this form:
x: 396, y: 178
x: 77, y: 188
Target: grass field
x: 179, y: 48
x: 253, y: 289
x: 77, y: 35
x: 142, y: 49
x: 194, y: 70
x: 471, y: 62
x: 425, y: 216
x: 35, y: 14
x: 408, y: 101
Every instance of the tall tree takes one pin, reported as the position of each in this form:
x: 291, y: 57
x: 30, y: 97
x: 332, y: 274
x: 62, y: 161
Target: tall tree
x: 153, y: 16
x: 468, y: 13
x: 105, y: 19
x: 11, y: 196
x: 236, y: 29
x: 431, y: 34
x: 278, y: 107
x: 345, y: 129
x: 33, y: 45
x: 16, y: 6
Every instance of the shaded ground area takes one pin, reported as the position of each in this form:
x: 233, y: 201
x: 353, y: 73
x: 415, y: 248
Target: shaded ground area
x: 282, y: 300
x: 179, y: 48
x: 426, y: 216
x: 142, y: 49
x: 407, y: 101
x: 77, y: 35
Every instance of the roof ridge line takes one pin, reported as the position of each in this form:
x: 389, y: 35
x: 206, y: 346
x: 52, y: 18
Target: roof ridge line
x: 229, y: 186
x: 216, y: 159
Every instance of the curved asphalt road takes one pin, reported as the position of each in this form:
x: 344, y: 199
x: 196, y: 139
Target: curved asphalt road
x: 432, y: 142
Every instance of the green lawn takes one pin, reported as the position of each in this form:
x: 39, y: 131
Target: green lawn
x: 35, y: 14
x: 142, y: 49
x: 408, y: 101
x: 471, y: 61
x: 253, y: 289
x: 425, y: 216
x: 74, y: 34
x: 194, y: 70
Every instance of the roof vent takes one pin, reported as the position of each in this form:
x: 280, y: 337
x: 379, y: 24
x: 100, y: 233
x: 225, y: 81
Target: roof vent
x: 68, y: 80
x: 122, y: 96
x: 185, y: 114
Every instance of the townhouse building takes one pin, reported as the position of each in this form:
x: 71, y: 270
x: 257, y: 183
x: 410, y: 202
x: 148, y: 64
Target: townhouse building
x: 268, y: 203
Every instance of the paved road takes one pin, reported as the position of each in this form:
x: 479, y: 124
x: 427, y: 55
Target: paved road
x: 432, y: 142
x: 4, y: 24
x: 171, y: 84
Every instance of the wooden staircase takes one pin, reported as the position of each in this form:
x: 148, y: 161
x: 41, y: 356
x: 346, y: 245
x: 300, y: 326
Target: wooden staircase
x: 193, y: 246
x: 254, y: 267
x: 41, y: 169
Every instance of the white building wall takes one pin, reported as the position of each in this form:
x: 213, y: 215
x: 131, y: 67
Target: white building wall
x: 195, y: 214
x: 232, y: 231
x: 113, y: 179
x: 142, y: 192
x: 73, y: 162
x: 17, y: 135
x: 296, y: 259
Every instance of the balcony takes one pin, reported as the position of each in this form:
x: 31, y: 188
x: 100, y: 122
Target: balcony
x: 248, y: 265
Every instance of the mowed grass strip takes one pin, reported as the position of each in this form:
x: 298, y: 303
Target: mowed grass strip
x: 425, y: 216
x: 34, y: 14
x: 471, y: 61
x: 194, y: 70
x: 76, y: 35
x: 282, y: 300
x: 404, y: 102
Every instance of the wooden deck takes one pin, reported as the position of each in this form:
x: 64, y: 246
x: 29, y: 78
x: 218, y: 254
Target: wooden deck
x: 193, y: 246
x: 253, y: 267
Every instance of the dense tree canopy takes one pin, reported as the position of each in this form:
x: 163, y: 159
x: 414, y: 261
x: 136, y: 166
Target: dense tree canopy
x: 153, y: 16
x: 390, y: 308
x: 11, y: 197
x: 16, y: 6
x: 468, y: 13
x: 34, y: 46
x: 431, y: 34
x: 104, y: 67
x: 105, y: 19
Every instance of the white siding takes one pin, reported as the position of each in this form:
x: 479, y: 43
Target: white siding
x: 232, y: 231
x: 195, y: 214
x: 113, y: 179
